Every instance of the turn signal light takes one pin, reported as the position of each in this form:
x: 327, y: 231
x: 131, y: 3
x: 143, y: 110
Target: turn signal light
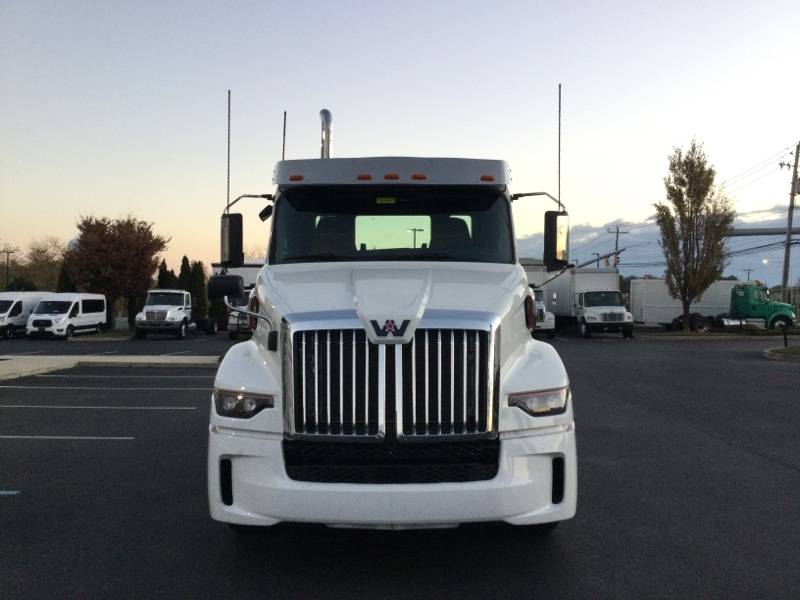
x: 541, y: 403
x: 419, y: 177
x: 295, y: 178
x: 364, y: 177
x: 487, y: 177
x: 391, y: 176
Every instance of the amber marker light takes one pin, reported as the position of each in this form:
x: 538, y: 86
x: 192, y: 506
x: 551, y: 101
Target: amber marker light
x: 364, y: 177
x: 487, y: 177
x: 419, y: 177
x: 295, y: 178
x: 391, y: 176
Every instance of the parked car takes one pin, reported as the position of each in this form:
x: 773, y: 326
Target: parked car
x: 64, y: 315
x: 15, y: 308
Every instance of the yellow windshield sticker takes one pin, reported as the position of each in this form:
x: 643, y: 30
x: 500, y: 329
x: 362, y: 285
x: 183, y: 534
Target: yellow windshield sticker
x: 385, y: 200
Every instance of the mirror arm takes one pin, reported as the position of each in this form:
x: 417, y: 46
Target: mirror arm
x: 269, y: 197
x: 247, y: 312
x: 561, y: 205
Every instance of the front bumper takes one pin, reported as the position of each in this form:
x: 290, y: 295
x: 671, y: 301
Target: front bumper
x: 59, y: 330
x: 158, y: 325
x: 609, y: 327
x: 522, y: 493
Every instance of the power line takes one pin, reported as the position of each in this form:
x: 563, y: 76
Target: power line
x: 741, y: 185
x: 757, y: 165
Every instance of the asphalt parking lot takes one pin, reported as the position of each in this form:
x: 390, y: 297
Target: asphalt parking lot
x: 688, y: 487
x: 195, y: 344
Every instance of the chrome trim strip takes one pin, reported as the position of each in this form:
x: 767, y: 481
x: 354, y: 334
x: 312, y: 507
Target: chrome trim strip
x: 477, y: 380
x: 464, y: 372
x: 414, y: 384
x: 316, y: 380
x: 427, y: 384
x: 381, y: 390
x: 354, y: 386
x: 303, y: 346
x: 398, y: 389
x: 328, y: 375
x: 452, y: 381
x: 439, y: 381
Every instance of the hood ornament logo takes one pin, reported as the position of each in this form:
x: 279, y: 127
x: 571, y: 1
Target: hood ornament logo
x: 390, y: 328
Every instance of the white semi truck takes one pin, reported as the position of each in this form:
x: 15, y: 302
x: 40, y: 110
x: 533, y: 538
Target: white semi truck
x: 652, y: 305
x: 392, y: 380
x: 590, y: 298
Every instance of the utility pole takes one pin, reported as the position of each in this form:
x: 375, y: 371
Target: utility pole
x: 597, y: 254
x: 616, y: 238
x: 787, y: 248
x: 414, y: 230
x: 748, y: 271
x: 8, y: 250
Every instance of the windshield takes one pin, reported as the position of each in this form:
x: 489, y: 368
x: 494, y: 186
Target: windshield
x: 344, y: 223
x: 5, y: 305
x: 52, y: 307
x: 602, y: 299
x: 163, y: 299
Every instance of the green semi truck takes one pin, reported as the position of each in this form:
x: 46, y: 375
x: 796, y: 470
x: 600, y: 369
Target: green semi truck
x: 751, y: 306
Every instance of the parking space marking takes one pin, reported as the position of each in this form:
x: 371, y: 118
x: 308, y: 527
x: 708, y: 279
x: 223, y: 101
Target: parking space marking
x: 67, y: 437
x: 174, y: 353
x: 50, y: 375
x: 9, y: 492
x: 28, y: 353
x: 116, y: 389
x: 103, y: 353
x: 99, y: 407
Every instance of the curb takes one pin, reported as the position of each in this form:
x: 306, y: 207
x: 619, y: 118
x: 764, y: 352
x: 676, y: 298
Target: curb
x: 770, y: 354
x: 701, y: 337
x: 12, y: 367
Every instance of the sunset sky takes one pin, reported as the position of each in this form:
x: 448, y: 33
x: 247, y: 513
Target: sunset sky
x: 111, y: 108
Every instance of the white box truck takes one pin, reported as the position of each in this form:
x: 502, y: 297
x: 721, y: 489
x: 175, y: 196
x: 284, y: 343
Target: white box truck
x: 392, y: 380
x: 590, y: 298
x: 652, y: 305
x: 15, y: 308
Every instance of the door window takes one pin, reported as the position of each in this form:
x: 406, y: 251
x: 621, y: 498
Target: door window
x: 15, y: 310
x: 74, y: 311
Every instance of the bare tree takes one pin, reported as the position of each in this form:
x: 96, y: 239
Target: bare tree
x: 693, y: 222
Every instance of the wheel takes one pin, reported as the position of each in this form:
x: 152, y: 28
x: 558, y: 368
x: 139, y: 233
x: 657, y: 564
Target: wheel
x: 9, y: 332
x: 140, y: 334
x: 702, y: 326
x: 627, y: 331
x: 101, y: 327
x: 182, y: 331
x: 583, y: 329
x: 232, y: 335
x: 781, y: 323
x: 70, y: 332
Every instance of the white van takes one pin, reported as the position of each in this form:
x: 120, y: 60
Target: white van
x: 15, y: 308
x: 63, y: 315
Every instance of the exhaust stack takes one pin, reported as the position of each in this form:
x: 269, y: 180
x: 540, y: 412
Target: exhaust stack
x: 326, y: 117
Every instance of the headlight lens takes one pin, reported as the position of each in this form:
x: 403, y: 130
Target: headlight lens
x: 140, y: 316
x: 628, y: 316
x: 591, y: 318
x: 241, y: 405
x: 544, y: 402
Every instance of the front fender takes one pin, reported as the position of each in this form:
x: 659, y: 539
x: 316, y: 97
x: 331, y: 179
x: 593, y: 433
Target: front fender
x: 538, y: 367
x: 246, y: 368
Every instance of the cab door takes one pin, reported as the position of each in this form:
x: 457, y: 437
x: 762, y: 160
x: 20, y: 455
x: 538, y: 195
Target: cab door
x: 15, y: 316
x: 758, y: 304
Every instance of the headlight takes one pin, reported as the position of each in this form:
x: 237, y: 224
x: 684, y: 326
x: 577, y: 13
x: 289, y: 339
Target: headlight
x: 591, y: 318
x: 241, y: 405
x: 545, y: 402
x: 628, y: 316
x: 59, y: 320
x: 140, y: 316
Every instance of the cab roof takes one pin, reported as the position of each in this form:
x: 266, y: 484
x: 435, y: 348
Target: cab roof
x: 391, y: 170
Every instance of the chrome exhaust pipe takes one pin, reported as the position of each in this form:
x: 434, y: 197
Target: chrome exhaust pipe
x: 327, y: 118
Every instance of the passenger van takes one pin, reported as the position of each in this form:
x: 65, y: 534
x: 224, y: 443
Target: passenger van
x: 15, y: 308
x: 63, y: 315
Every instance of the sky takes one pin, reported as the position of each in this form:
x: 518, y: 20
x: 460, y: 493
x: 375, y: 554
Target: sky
x: 112, y: 108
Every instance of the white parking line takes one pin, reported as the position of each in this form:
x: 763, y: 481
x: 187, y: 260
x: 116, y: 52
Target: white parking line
x: 103, y: 353
x: 125, y: 376
x: 9, y: 492
x: 28, y: 353
x: 66, y: 437
x: 75, y: 387
x: 99, y: 407
x: 174, y: 353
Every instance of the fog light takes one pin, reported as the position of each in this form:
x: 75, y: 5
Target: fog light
x: 541, y: 403
x: 241, y: 405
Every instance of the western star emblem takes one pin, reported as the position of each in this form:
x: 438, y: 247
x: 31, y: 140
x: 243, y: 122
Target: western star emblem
x: 390, y: 328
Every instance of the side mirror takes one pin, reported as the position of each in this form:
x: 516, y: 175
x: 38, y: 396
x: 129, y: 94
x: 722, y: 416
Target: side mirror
x: 231, y: 252
x: 266, y: 213
x: 556, y: 240
x: 220, y: 286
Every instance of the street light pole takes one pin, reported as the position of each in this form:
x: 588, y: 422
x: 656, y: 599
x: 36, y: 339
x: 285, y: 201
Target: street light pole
x: 597, y: 254
x: 414, y: 230
x: 8, y: 250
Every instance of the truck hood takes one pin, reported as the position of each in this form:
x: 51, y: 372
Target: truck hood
x: 384, y: 292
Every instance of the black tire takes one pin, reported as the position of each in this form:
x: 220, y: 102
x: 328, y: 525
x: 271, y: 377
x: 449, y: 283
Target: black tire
x: 70, y: 332
x: 233, y: 335
x: 182, y: 331
x: 781, y: 322
x: 9, y: 332
x: 627, y: 331
x: 702, y: 326
x: 583, y: 329
x: 140, y: 334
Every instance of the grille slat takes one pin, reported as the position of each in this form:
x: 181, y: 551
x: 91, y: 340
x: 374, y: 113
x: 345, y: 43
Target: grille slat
x: 441, y: 384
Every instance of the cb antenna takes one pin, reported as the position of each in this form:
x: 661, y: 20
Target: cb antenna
x: 228, y: 192
x: 559, y: 147
x: 283, y: 149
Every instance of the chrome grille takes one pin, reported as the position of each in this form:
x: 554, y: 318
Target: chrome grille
x: 612, y: 316
x: 155, y: 315
x: 441, y: 383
